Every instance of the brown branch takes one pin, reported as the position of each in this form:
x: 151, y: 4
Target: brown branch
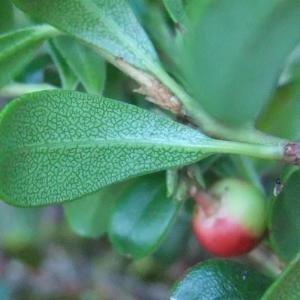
x: 151, y: 88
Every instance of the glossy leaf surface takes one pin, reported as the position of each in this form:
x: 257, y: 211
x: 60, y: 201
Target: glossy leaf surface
x: 217, y: 279
x: 59, y: 145
x: 106, y: 24
x: 142, y: 217
x: 234, y: 53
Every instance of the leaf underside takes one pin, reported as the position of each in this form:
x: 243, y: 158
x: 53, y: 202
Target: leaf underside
x: 59, y: 145
x: 106, y: 24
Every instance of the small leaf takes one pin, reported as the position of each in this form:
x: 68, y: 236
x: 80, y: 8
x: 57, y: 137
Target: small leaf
x: 234, y: 52
x: 60, y: 145
x: 18, y: 48
x: 284, y: 222
x: 88, y: 66
x: 287, y: 286
x: 281, y: 117
x: 89, y: 215
x: 68, y: 79
x: 220, y: 279
x: 142, y: 217
x: 175, y: 9
x: 108, y: 25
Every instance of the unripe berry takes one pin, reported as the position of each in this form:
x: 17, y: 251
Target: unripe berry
x: 230, y: 219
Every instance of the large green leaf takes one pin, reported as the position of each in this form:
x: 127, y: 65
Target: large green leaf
x: 142, y: 217
x: 89, y: 215
x: 88, y: 66
x: 285, y: 221
x: 287, y: 286
x: 234, y: 52
x: 217, y: 279
x: 281, y: 117
x: 106, y: 24
x: 59, y: 145
x: 18, y: 48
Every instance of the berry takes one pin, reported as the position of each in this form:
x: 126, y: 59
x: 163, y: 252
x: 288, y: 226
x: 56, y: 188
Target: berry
x: 230, y: 219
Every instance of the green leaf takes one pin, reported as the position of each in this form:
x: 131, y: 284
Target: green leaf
x: 89, y: 215
x: 158, y: 28
x: 6, y: 15
x: 234, y: 52
x: 287, y: 286
x: 175, y: 9
x: 60, y: 145
x: 68, y: 79
x: 88, y: 66
x: 281, y: 117
x: 18, y: 48
x: 220, y: 279
x: 142, y: 217
x: 284, y: 221
x: 174, y: 245
x: 108, y: 25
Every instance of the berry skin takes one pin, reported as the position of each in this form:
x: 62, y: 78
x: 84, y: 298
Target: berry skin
x: 230, y: 219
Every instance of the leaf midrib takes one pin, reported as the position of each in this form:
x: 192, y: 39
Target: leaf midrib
x: 104, y: 143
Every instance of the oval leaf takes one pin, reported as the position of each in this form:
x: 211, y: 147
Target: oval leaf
x: 89, y: 215
x: 59, y: 145
x: 287, y: 286
x: 285, y: 222
x: 18, y: 48
x: 142, y: 217
x: 233, y: 55
x: 108, y: 25
x: 217, y: 279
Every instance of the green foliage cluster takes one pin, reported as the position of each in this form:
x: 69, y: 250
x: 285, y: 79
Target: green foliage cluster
x: 224, y: 79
